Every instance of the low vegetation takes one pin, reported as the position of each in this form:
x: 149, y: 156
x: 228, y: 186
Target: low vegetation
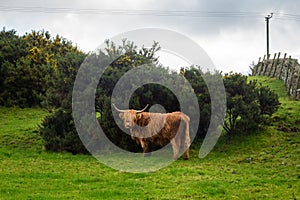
x: 261, y: 165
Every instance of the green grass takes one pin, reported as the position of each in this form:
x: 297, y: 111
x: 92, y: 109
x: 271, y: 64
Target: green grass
x: 19, y: 127
x: 287, y: 117
x: 275, y: 84
x: 262, y: 165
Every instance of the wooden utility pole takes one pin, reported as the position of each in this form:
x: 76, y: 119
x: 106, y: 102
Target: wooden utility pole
x: 267, y: 23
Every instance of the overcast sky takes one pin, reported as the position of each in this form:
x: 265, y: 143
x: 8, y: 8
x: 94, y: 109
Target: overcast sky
x: 231, y: 32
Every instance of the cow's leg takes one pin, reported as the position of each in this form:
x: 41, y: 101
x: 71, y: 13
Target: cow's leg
x: 186, y: 154
x: 184, y: 137
x: 175, y: 147
x: 186, y: 145
x: 145, y: 147
x: 187, y: 149
x: 187, y: 141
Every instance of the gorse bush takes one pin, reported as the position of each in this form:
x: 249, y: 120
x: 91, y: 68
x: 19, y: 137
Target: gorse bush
x: 31, y: 65
x: 59, y: 133
x: 248, y: 104
x: 39, y: 70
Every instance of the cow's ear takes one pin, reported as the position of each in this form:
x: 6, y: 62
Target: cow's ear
x: 139, y: 116
x: 121, y: 115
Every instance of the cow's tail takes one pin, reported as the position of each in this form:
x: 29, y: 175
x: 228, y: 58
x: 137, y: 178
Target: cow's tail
x: 187, y: 139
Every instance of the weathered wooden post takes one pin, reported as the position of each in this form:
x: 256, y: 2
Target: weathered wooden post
x: 297, y: 87
x: 287, y: 71
x: 262, y: 65
x: 292, y: 77
x: 282, y: 65
x: 272, y: 66
x: 266, y: 65
x: 255, y: 70
x: 276, y: 64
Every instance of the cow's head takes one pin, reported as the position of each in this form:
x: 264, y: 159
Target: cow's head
x: 129, y: 116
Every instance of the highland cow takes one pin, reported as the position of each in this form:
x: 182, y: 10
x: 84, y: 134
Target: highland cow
x: 158, y: 128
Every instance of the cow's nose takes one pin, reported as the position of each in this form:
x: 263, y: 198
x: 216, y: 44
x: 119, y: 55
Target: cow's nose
x: 127, y: 125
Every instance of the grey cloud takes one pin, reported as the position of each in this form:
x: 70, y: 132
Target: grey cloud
x: 212, y: 19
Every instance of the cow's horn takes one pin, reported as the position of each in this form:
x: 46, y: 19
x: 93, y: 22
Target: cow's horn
x: 119, y: 110
x: 138, y: 111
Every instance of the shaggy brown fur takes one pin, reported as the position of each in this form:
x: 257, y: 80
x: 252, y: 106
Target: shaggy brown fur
x: 158, y: 128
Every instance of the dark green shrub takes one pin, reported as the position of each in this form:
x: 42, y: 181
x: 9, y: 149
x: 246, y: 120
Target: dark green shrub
x: 59, y: 133
x: 268, y: 100
x: 247, y: 104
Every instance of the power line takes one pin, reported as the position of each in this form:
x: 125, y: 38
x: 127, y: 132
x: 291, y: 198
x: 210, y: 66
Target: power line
x: 285, y: 16
x: 128, y: 12
x: 143, y: 12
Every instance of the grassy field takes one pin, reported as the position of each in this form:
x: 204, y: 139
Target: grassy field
x: 264, y: 165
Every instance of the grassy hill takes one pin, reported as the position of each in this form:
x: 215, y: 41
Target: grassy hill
x: 263, y: 165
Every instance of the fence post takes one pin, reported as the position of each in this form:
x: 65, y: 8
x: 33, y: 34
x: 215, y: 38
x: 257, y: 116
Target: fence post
x: 296, y: 86
x: 272, y: 66
x: 276, y: 64
x: 281, y: 68
x: 262, y: 65
x: 257, y: 67
x: 287, y: 71
x: 267, y: 65
x: 292, y: 76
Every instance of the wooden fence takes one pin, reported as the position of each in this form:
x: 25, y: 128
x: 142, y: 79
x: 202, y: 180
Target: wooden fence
x: 286, y: 69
